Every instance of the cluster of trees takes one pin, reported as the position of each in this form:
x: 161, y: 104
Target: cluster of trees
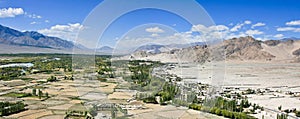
x: 222, y: 103
x: 287, y: 111
x: 124, y: 111
x: 65, y: 63
x: 141, y: 76
x: 104, y: 68
x: 238, y: 96
x: 17, y: 60
x: 10, y: 73
x: 7, y: 108
x: 77, y: 114
x: 249, y: 91
x: 281, y: 116
x: 223, y: 107
x: 245, y: 104
x: 18, y: 95
x: 39, y: 93
x: 140, y: 73
x: 150, y: 99
x: 42, y: 64
x: 297, y: 113
x: 52, y: 79
x: 154, y: 86
x: 230, y: 114
x: 195, y: 106
x: 255, y: 107
x: 168, y: 92
x: 69, y: 77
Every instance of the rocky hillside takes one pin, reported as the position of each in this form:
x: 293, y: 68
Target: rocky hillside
x: 245, y: 48
x: 283, y: 49
x: 240, y: 49
x: 195, y: 53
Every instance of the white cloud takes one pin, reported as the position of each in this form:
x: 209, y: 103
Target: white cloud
x: 236, y: 27
x: 247, y: 22
x: 218, y: 28
x: 285, y: 29
x: 293, y: 29
x: 253, y: 32
x: 34, y: 16
x: 211, y: 32
x: 293, y: 23
x: 67, y: 32
x: 204, y: 29
x: 10, y: 12
x: 263, y: 39
x: 47, y: 21
x: 236, y: 35
x: 240, y: 25
x: 33, y: 22
x: 154, y: 30
x: 278, y: 36
x: 258, y: 24
x: 154, y: 35
x: 223, y: 32
x: 199, y: 28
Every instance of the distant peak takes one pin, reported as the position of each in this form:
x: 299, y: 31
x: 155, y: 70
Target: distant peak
x: 32, y: 32
x: 246, y: 38
x: 291, y: 38
x: 105, y: 48
x: 35, y: 35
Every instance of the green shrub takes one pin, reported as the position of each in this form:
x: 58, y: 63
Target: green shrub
x: 51, y: 79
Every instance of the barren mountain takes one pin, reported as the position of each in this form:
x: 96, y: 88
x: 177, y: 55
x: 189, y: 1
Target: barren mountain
x: 245, y: 48
x: 285, y: 50
x: 238, y: 49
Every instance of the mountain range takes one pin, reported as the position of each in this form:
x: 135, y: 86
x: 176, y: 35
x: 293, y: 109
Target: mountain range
x: 155, y: 48
x: 14, y: 41
x: 31, y: 38
x: 243, y: 48
x: 235, y: 49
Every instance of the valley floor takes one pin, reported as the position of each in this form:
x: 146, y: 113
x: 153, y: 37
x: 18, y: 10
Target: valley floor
x: 279, y: 81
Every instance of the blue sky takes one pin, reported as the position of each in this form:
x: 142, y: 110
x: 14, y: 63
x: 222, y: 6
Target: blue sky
x: 264, y: 19
x: 55, y: 11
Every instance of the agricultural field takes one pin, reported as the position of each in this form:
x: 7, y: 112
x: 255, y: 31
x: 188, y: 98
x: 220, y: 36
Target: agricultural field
x: 52, y: 86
